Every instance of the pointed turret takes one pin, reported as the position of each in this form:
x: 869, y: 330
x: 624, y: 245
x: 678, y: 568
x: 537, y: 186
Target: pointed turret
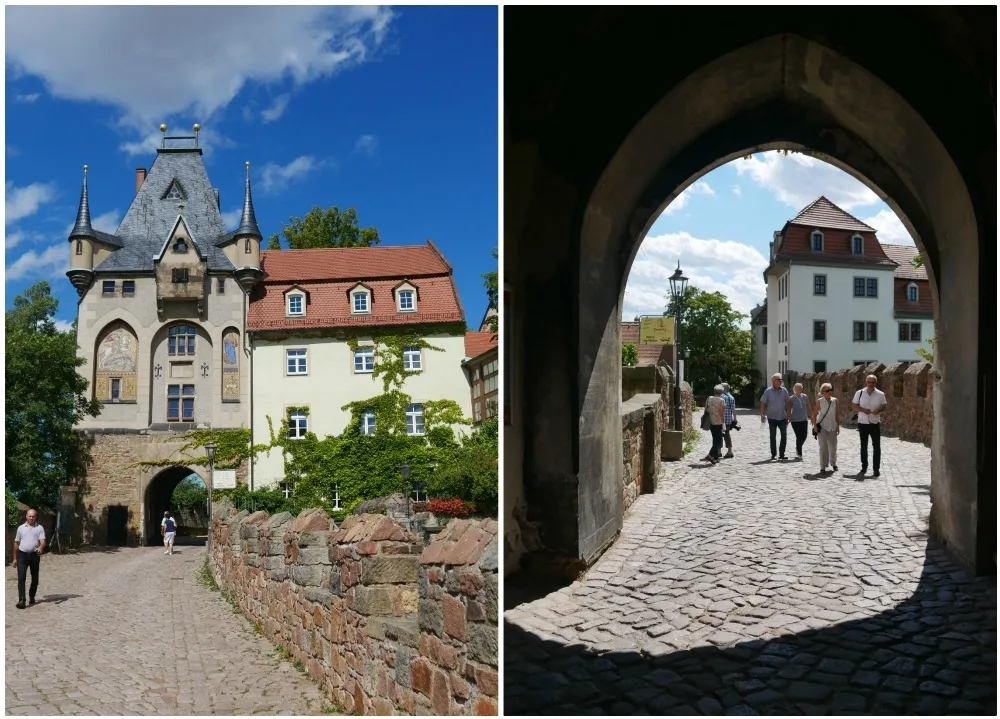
x: 248, y: 239
x: 81, y: 242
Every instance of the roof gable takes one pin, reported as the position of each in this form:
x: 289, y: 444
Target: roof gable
x: 823, y: 214
x: 178, y: 224
x: 903, y: 256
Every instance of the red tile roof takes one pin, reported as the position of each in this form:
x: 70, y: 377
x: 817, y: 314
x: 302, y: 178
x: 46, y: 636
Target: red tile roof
x: 328, y: 275
x: 630, y: 332
x: 824, y: 214
x: 924, y: 306
x: 478, y: 343
x: 903, y: 255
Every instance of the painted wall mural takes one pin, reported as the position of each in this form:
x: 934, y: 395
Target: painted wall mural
x: 231, y: 365
x: 117, y: 362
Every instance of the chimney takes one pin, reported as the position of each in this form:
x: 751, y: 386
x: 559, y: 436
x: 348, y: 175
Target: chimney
x: 140, y: 177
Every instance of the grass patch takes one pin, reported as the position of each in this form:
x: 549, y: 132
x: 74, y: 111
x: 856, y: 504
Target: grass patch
x: 690, y: 445
x: 206, y: 578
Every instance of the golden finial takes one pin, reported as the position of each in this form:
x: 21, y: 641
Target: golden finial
x: 163, y: 128
x: 197, y: 127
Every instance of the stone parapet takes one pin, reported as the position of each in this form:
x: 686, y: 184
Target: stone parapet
x: 642, y: 428
x: 385, y: 624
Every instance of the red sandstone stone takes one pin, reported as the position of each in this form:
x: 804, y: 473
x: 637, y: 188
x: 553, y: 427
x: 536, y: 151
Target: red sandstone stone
x: 311, y: 520
x: 440, y: 696
x: 367, y: 548
x: 459, y: 687
x: 383, y: 707
x: 486, y: 681
x: 420, y: 677
x: 485, y: 707
x: 475, y: 612
x: 454, y: 616
x: 470, y: 582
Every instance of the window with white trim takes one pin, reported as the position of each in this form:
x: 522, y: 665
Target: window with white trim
x: 857, y: 245
x: 296, y: 303
x: 364, y: 360
x: 817, y: 241
x: 368, y: 422
x: 360, y: 302
x: 295, y: 361
x: 298, y: 424
x: 415, y: 419
x: 180, y: 403
x: 912, y: 292
x: 411, y: 359
x: 406, y: 301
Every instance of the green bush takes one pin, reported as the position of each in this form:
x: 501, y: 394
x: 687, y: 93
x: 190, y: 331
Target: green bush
x: 10, y: 504
x: 630, y: 355
x: 470, y: 472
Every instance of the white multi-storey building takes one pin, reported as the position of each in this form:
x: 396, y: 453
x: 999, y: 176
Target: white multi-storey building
x: 836, y: 297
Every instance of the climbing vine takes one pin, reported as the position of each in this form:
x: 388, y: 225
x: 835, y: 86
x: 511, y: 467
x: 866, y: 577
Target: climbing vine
x: 389, y: 362
x: 232, y: 447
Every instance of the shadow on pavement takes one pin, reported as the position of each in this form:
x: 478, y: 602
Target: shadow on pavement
x: 57, y: 598
x: 934, y: 653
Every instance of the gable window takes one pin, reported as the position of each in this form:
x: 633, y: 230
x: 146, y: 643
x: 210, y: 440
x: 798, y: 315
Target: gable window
x: 911, y: 292
x: 360, y: 302
x: 79, y: 247
x: 128, y: 288
x: 296, y: 304
x: 909, y: 331
x: 180, y: 403
x: 819, y: 366
x: 298, y: 424
x: 180, y: 245
x: 364, y: 359
x: 817, y: 241
x: 174, y: 192
x: 221, y: 285
x: 819, y: 284
x: 857, y: 245
x: 295, y: 361
x: 180, y: 340
x: 116, y: 390
x: 406, y: 301
x: 368, y: 422
x: 415, y: 419
x: 108, y: 287
x: 411, y: 359
x: 819, y: 330
x: 866, y: 331
x: 179, y: 275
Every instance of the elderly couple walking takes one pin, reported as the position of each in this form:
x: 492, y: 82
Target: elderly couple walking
x: 720, y: 411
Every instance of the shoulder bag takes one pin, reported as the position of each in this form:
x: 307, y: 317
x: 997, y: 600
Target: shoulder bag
x: 706, y: 421
x: 816, y: 427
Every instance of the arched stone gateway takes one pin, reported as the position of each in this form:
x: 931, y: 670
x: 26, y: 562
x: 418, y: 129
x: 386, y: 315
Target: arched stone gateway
x: 614, y: 112
x: 157, y: 499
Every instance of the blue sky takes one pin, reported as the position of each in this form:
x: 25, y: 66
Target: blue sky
x: 720, y: 227
x: 390, y: 111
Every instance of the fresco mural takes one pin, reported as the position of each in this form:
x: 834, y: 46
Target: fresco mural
x: 231, y: 365
x: 117, y: 359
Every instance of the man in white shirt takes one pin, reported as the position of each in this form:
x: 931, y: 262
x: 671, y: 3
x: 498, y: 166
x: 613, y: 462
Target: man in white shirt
x: 869, y: 403
x: 168, y: 528
x: 29, y: 543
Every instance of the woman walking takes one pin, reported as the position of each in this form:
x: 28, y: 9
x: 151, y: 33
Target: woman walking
x: 802, y: 410
x: 716, y: 408
x: 826, y: 425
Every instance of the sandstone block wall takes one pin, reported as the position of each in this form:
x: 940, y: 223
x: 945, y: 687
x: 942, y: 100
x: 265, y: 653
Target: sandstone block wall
x: 649, y: 379
x: 387, y: 625
x: 909, y: 392
x: 642, y: 424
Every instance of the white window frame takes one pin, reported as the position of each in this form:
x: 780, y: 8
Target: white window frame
x: 301, y: 358
x: 368, y: 422
x: 298, y: 424
x: 822, y: 241
x: 415, y: 412
x: 354, y: 302
x: 409, y: 355
x: 855, y: 237
x: 364, y: 354
x: 288, y: 304
x: 916, y: 292
x: 413, y: 300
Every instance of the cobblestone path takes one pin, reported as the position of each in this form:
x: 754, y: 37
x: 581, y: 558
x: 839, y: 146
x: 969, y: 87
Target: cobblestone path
x: 131, y: 631
x: 758, y: 587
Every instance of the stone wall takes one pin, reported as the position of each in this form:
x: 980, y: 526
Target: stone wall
x: 386, y: 625
x: 650, y: 379
x: 642, y: 425
x: 908, y: 392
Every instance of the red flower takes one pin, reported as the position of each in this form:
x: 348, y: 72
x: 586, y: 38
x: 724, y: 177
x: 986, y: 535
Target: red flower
x: 451, y: 507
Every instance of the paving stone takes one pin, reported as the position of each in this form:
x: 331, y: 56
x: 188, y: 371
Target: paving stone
x: 808, y: 691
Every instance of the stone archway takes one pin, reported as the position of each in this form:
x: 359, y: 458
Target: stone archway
x: 157, y: 499
x: 593, y: 188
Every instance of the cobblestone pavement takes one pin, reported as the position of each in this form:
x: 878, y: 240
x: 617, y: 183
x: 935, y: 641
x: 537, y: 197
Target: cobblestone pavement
x: 131, y: 631
x: 759, y: 587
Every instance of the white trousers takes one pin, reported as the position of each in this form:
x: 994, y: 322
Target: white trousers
x: 168, y: 539
x: 827, y: 448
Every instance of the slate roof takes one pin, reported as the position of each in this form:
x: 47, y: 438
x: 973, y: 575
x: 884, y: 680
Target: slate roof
x: 903, y: 255
x: 479, y: 343
x: 150, y: 218
x: 824, y: 214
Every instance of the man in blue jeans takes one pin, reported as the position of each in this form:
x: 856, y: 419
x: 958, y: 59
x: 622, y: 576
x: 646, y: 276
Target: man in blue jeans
x: 775, y: 407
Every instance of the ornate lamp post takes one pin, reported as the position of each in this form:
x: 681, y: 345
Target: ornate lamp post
x: 210, y: 451
x: 678, y: 286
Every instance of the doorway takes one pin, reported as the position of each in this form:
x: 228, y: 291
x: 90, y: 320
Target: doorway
x: 117, y: 525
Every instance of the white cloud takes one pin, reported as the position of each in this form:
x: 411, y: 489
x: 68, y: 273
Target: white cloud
x: 798, y: 179
x: 24, y: 201
x: 366, y: 144
x: 711, y: 265
x: 277, y: 109
x: 51, y: 262
x: 28, y: 98
x: 13, y: 239
x: 275, y: 178
x: 736, y: 190
x: 64, y: 325
x: 204, y: 57
x: 698, y: 188
x: 890, y: 228
x: 232, y: 218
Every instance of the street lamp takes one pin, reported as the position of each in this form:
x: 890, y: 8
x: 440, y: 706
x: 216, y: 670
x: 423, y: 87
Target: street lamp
x: 678, y: 286
x: 210, y: 451
x: 405, y: 469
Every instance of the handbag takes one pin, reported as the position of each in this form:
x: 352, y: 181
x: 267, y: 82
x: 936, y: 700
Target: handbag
x: 816, y: 427
x: 706, y: 422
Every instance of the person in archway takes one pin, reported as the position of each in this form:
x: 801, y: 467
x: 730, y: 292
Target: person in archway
x: 775, y: 408
x: 29, y: 543
x: 869, y: 403
x: 730, y: 422
x: 168, y: 528
x: 716, y: 408
x: 801, y: 411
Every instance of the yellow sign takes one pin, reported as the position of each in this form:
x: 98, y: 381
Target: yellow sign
x: 656, y: 330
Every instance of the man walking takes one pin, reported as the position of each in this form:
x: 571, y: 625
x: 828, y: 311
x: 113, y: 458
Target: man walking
x: 168, y: 528
x: 29, y: 543
x: 775, y: 408
x: 869, y: 403
x: 729, y: 423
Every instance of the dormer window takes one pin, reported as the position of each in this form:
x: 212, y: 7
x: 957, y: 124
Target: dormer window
x: 296, y: 303
x: 912, y: 293
x: 406, y: 303
x: 857, y: 245
x: 817, y: 241
x: 180, y: 245
x: 360, y: 302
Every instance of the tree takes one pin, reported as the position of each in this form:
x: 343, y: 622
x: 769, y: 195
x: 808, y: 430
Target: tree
x: 717, y: 349
x: 490, y: 279
x: 46, y: 397
x: 630, y: 354
x: 917, y: 260
x: 926, y: 355
x: 324, y: 228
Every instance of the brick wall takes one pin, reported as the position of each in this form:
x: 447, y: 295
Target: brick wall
x: 386, y: 625
x: 642, y: 424
x: 908, y: 392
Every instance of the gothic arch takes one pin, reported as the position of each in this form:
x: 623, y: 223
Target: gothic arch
x: 173, y: 367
